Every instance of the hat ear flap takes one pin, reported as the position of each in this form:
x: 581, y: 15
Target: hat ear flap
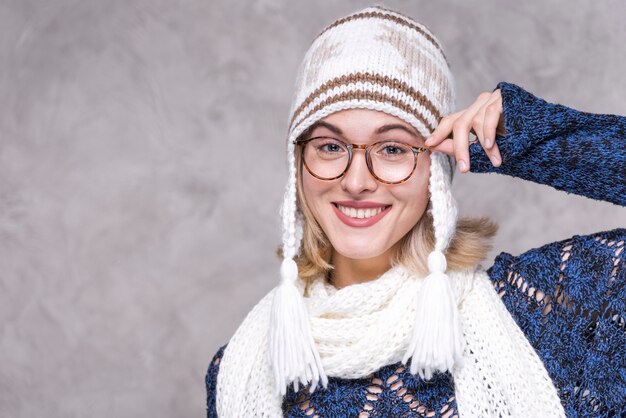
x: 444, y: 207
x: 437, y: 340
x: 293, y: 354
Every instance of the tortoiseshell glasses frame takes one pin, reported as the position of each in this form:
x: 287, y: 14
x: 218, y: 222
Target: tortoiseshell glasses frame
x: 367, y: 148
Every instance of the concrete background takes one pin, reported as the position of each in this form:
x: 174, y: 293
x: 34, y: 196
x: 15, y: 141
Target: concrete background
x: 142, y: 167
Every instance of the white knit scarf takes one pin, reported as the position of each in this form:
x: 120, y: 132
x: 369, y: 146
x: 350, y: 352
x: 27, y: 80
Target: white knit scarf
x: 363, y: 327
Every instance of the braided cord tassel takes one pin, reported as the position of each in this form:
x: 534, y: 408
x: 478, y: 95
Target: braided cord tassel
x: 437, y: 343
x: 292, y: 350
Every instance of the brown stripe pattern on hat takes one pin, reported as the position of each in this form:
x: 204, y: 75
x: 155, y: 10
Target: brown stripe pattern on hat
x: 355, y: 94
x: 370, y: 96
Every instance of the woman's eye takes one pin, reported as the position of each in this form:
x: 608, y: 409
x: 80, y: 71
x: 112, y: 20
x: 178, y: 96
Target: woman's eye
x: 393, y: 150
x: 331, y: 148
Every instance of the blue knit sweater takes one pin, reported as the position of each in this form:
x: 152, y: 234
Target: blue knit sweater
x: 569, y: 296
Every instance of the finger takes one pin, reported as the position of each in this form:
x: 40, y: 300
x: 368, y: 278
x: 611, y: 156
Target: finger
x: 460, y: 131
x: 493, y: 115
x: 495, y: 157
x: 475, y: 114
x: 443, y: 130
x: 478, y: 126
x: 485, y: 122
x: 446, y: 146
x: 479, y: 117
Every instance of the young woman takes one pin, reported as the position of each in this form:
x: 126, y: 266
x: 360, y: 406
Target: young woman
x: 383, y: 308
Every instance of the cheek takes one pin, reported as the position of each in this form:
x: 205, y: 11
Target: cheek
x: 313, y: 190
x: 416, y: 192
x: 310, y: 189
x: 414, y: 196
x: 415, y: 199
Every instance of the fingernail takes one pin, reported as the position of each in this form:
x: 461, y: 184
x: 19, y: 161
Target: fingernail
x: 462, y: 165
x: 488, y: 142
x: 494, y: 160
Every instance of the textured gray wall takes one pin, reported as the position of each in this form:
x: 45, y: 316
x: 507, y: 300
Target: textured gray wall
x: 141, y: 171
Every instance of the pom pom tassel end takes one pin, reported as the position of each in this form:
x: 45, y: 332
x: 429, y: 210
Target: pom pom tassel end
x: 437, y: 341
x: 292, y: 350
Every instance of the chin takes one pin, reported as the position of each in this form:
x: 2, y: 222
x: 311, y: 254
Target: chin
x: 363, y: 251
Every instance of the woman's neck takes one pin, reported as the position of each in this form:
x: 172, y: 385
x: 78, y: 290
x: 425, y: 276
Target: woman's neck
x: 350, y: 271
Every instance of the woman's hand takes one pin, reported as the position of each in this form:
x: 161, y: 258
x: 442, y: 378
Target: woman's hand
x: 483, y: 118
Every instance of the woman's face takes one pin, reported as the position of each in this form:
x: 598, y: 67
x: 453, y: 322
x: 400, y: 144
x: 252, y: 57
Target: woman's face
x: 332, y: 201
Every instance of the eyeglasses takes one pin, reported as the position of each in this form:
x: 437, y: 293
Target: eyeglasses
x: 390, y: 162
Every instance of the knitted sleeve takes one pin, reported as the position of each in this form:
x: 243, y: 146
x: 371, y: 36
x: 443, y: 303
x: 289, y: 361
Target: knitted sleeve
x: 551, y: 144
x: 569, y: 298
x: 211, y: 382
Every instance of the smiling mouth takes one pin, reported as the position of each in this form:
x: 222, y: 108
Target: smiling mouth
x: 360, y: 213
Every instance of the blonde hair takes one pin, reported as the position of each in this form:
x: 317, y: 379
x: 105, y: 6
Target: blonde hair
x: 471, y: 242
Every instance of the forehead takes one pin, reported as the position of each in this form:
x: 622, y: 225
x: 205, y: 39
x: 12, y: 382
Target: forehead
x: 364, y: 123
x: 363, y: 117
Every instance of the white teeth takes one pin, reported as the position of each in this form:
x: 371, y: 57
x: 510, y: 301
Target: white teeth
x: 360, y: 213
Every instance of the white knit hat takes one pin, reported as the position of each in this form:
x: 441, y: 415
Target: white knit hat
x: 381, y: 60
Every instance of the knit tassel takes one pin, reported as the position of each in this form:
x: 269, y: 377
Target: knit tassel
x: 292, y: 350
x: 437, y: 340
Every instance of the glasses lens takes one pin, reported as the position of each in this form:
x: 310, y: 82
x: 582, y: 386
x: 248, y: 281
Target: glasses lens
x: 326, y: 157
x: 392, y: 161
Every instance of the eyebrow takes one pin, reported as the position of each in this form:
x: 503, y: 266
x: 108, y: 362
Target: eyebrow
x: 326, y: 125
x: 392, y: 126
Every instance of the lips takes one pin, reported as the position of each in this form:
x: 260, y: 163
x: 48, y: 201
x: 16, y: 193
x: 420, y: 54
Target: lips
x: 360, y: 214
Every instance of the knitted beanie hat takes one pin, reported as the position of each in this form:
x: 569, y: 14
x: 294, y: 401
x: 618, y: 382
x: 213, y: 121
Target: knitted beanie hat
x: 381, y: 60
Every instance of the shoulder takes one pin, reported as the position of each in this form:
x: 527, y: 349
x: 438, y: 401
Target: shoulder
x: 580, y: 256
x: 249, y: 330
x: 252, y: 328
x: 210, y: 381
x: 215, y: 362
x: 573, y: 279
x: 214, y: 366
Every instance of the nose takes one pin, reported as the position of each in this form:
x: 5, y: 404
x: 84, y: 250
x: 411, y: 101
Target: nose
x: 358, y: 178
